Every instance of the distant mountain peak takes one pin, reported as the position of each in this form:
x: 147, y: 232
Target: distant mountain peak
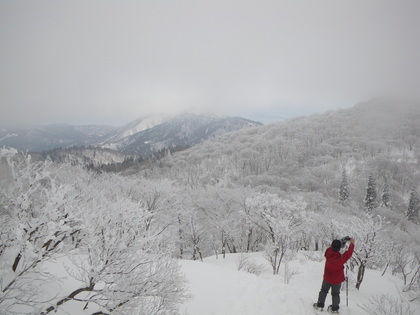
x: 145, y: 135
x: 200, y: 112
x: 136, y: 126
x: 183, y: 130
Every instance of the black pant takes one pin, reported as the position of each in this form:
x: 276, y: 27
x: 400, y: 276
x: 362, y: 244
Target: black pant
x: 335, y: 293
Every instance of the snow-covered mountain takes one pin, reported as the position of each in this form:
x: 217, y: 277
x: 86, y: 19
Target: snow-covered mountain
x: 184, y: 130
x: 142, y: 136
x: 41, y: 138
x: 132, y: 128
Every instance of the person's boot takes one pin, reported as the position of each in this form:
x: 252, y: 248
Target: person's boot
x: 318, y: 306
x: 333, y: 310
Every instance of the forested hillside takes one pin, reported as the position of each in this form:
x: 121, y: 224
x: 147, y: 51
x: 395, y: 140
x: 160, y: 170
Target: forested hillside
x: 309, y: 154
x: 110, y: 243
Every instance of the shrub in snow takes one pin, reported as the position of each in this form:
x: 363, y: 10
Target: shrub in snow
x: 387, y: 305
x: 314, y: 256
x: 249, y: 265
x: 289, y: 272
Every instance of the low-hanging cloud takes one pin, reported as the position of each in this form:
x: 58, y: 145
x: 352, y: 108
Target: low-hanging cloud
x: 110, y: 62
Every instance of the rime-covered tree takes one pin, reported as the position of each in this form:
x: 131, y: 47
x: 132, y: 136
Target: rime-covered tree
x: 368, y: 249
x: 279, y: 220
x: 386, y: 198
x: 38, y: 217
x: 195, y: 233
x: 370, y: 199
x: 344, y: 189
x: 92, y: 226
x: 126, y: 268
x: 413, y: 206
x: 368, y: 234
x: 221, y: 207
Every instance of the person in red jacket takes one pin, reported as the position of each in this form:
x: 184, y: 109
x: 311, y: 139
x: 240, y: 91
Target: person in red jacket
x: 334, y: 274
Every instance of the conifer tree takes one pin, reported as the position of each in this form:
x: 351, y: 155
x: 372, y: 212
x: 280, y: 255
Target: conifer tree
x: 386, y: 199
x: 344, y: 190
x: 370, y: 199
x: 413, y: 206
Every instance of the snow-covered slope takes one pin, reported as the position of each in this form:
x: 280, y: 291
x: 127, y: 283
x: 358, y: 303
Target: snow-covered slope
x: 132, y: 128
x: 184, y: 130
x: 218, y: 288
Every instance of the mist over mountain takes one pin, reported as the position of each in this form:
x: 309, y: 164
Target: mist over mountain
x: 184, y: 130
x: 132, y: 128
x: 309, y: 154
x: 142, y: 136
x: 40, y: 138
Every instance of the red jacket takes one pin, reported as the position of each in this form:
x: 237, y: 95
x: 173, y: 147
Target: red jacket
x: 334, y: 266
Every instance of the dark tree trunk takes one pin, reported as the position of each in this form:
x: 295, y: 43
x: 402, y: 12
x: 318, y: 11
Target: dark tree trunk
x: 360, y: 274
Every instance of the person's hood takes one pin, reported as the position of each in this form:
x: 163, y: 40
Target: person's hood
x: 329, y: 253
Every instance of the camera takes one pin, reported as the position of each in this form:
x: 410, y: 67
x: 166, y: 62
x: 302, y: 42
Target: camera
x: 344, y: 240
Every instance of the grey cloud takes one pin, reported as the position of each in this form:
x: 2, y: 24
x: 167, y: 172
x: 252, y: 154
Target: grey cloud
x: 109, y: 62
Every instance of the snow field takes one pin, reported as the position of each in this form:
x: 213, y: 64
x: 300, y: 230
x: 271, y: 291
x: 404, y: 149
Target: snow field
x: 218, y: 288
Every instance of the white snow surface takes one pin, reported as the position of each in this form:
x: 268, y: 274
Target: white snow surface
x: 218, y: 288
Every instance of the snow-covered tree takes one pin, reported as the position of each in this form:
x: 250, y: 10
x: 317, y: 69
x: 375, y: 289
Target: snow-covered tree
x: 413, y: 206
x: 158, y: 197
x: 54, y: 219
x: 370, y: 198
x: 195, y: 234
x: 367, y: 233
x: 192, y: 232
x: 278, y: 218
x: 251, y: 234
x: 221, y: 208
x: 124, y: 267
x: 38, y: 216
x: 404, y: 261
x: 385, y: 197
x: 344, y: 194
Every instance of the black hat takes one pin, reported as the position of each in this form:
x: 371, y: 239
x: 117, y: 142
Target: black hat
x: 336, y: 245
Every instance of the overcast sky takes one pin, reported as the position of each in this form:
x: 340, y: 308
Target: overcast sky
x: 110, y: 62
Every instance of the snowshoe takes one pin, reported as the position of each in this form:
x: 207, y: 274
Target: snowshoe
x: 330, y: 309
x: 318, y: 308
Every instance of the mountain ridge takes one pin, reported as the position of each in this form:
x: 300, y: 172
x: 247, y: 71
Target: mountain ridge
x: 310, y: 153
x: 143, y: 136
x: 185, y: 130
